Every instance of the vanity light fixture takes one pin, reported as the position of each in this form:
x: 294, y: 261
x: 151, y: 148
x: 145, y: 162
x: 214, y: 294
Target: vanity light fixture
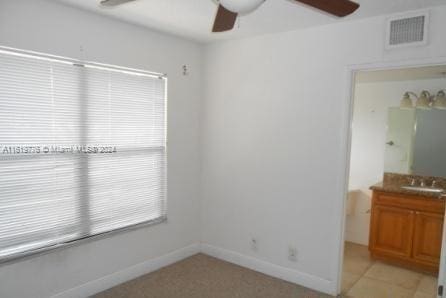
x: 424, y: 100
x: 406, y: 102
x: 440, y: 100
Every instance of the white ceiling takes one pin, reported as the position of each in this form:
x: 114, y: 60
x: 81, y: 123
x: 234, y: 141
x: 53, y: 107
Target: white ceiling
x: 193, y: 19
x: 404, y: 74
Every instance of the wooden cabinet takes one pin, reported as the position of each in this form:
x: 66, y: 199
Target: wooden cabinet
x: 393, y: 230
x: 427, y: 237
x: 407, y: 230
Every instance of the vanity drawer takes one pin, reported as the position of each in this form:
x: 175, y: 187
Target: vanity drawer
x: 410, y: 202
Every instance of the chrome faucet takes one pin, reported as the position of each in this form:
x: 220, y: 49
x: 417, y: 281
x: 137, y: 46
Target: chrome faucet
x: 421, y: 182
x: 414, y: 182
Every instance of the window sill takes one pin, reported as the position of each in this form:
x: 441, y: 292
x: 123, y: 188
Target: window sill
x: 49, y: 249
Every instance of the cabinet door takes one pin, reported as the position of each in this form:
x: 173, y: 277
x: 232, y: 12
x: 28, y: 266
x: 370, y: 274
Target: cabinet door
x: 392, y: 231
x: 427, y: 237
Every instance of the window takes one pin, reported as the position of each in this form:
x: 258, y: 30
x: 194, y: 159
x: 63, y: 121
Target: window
x: 82, y: 151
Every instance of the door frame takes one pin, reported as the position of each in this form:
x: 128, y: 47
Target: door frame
x: 346, y: 138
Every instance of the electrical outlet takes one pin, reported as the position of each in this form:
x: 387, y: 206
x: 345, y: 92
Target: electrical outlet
x: 292, y: 253
x: 254, y: 244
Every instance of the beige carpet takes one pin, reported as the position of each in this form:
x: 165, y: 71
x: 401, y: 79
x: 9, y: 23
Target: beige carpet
x: 201, y: 276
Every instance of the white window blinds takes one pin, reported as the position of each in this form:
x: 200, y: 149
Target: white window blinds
x: 82, y: 151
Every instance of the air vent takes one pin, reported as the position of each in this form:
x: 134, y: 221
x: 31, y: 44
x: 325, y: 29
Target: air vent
x: 407, y: 30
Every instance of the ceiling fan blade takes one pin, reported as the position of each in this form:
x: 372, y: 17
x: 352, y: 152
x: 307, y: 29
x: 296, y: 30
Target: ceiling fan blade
x: 340, y: 8
x: 114, y: 2
x: 225, y: 20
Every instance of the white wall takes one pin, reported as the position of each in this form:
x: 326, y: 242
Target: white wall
x: 272, y: 144
x: 48, y: 27
x: 371, y: 103
x: 274, y: 129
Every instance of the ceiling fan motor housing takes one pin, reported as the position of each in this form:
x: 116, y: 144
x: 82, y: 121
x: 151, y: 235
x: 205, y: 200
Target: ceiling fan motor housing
x: 241, y: 6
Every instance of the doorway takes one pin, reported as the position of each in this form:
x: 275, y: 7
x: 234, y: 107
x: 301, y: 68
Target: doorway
x: 379, y: 149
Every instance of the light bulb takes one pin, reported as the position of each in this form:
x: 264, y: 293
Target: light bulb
x: 406, y: 102
x: 440, y: 101
x: 424, y: 100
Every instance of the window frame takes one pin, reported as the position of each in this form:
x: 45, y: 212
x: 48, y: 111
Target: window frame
x: 94, y: 237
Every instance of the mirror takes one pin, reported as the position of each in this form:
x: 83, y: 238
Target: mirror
x: 398, y: 124
x: 416, y: 142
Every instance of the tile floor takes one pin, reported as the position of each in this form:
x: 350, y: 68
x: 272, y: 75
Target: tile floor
x: 366, y: 278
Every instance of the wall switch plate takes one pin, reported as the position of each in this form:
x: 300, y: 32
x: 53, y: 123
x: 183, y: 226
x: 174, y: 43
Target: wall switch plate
x: 292, y: 254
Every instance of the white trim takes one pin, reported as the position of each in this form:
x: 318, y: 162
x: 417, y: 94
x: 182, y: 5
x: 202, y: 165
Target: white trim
x: 442, y: 271
x: 101, y: 284
x: 116, y: 278
x: 345, y: 142
x: 291, y: 275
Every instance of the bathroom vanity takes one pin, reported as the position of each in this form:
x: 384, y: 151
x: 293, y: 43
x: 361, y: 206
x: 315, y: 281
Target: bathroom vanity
x: 406, y: 226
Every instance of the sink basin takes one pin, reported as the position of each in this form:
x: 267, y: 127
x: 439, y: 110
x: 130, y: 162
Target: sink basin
x: 423, y: 189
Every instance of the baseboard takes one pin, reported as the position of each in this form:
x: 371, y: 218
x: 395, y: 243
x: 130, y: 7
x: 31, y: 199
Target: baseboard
x: 294, y: 276
x: 116, y: 278
x: 111, y: 280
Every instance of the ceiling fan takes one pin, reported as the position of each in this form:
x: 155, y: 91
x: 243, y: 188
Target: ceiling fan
x: 228, y: 10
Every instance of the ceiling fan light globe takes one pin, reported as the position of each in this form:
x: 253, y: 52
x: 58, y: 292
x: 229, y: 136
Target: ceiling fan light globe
x: 241, y: 6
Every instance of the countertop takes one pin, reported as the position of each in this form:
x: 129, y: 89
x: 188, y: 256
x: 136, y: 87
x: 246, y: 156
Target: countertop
x: 392, y: 183
x: 395, y: 188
